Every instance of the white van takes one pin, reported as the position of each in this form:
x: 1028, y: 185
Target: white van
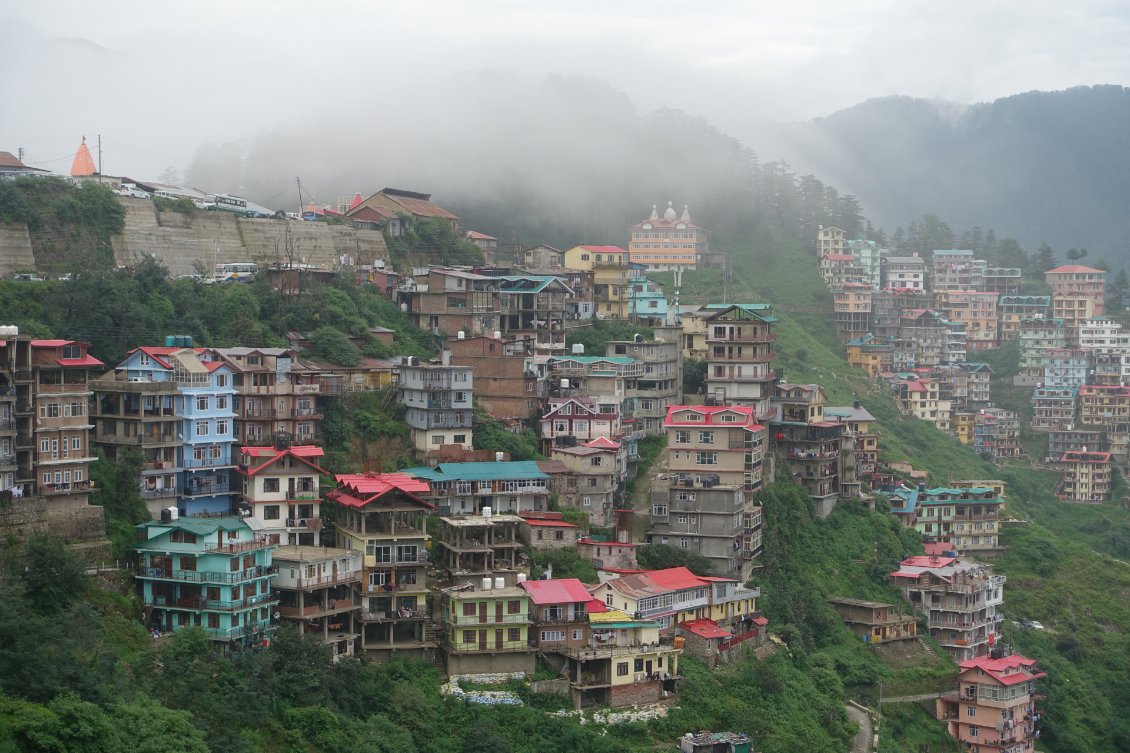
x: 130, y: 189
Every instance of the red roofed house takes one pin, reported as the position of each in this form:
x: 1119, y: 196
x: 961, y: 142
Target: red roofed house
x: 281, y: 489
x: 546, y: 531
x: 668, y: 242
x: 488, y: 244
x: 1086, y: 476
x: 839, y: 269
x: 558, y: 611
x: 384, y: 515
x: 717, y: 645
x: 596, y: 471
x: 403, y: 205
x: 12, y: 166
x: 994, y: 708
x: 45, y: 433
x: 715, y: 444
x: 677, y: 595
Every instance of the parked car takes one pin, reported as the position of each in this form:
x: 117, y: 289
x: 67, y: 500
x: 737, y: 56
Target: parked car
x: 129, y: 189
x: 27, y: 277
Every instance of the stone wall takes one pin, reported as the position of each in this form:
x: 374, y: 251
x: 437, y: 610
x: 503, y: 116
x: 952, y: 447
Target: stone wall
x: 15, y: 250
x: 637, y: 693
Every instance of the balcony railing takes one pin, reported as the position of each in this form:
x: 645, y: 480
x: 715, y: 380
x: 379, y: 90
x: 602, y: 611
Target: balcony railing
x: 469, y: 621
x: 214, y: 605
x: 313, y: 610
x: 310, y: 524
x: 198, y: 576
x: 191, y: 463
x: 471, y: 648
x: 239, y: 631
x: 165, y: 491
x: 389, y: 615
x: 235, y: 547
x: 323, y: 581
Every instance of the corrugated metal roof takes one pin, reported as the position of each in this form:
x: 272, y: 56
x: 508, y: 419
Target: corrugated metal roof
x: 557, y: 590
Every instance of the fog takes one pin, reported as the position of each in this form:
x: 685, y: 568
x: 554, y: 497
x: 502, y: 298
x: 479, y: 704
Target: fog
x: 457, y: 96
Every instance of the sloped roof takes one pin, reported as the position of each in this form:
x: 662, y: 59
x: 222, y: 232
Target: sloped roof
x: 1008, y: 670
x: 304, y: 453
x: 478, y: 471
x: 557, y: 590
x: 704, y: 628
x: 654, y: 582
x: 358, y: 489
x: 83, y: 163
x: 1072, y: 269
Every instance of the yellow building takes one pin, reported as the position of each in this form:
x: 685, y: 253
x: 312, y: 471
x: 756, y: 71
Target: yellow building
x: 611, y: 288
x: 486, y: 629
x: 875, y: 355
x: 677, y: 595
x: 963, y: 425
x: 667, y: 243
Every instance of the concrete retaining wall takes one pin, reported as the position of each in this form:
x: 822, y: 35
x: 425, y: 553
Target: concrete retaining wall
x: 15, y: 250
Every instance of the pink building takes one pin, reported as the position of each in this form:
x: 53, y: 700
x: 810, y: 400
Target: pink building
x: 994, y: 709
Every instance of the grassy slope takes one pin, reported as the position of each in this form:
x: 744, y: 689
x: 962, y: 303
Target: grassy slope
x: 1062, y: 567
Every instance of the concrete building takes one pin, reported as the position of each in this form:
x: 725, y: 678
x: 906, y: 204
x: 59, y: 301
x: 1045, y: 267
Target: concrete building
x: 469, y: 488
x: 830, y: 240
x: 1065, y: 367
x: 1073, y: 440
x: 609, y: 380
x: 1077, y: 282
x: 1037, y: 336
x: 718, y: 522
x: 874, y: 621
x: 851, y: 305
x: 569, y: 421
x: 810, y: 447
x: 533, y: 307
x: 281, y: 489
x: 875, y: 355
x: 996, y: 434
x: 740, y: 351
x: 907, y: 272
x: 1054, y: 408
x: 506, y: 384
x: 994, y: 708
x: 724, y: 444
x: 470, y: 548
x: 594, y: 480
x: 611, y: 275
x: 1086, y: 476
x: 547, y: 531
x: 543, y: 256
x: 960, y: 600
x: 840, y: 269
x: 922, y: 399
x: 869, y: 257
x: 955, y: 269
x: 862, y: 427
x: 446, y: 300
x: 211, y: 573
x: 319, y: 594
x: 485, y: 628
x: 660, y: 384
x: 977, y: 310
x: 667, y: 242
x: 1002, y: 280
x: 559, y: 612
x: 384, y: 517
x: 438, y: 397
x: 967, y: 517
x: 1013, y: 309
x: 276, y: 392
x: 676, y: 595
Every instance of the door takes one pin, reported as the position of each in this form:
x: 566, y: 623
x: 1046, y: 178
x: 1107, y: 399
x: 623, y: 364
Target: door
x: 498, y: 611
x: 648, y: 668
x: 498, y: 638
x: 482, y: 640
x: 482, y: 612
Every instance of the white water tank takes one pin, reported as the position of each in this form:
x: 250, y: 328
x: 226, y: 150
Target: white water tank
x: 9, y: 330
x: 174, y: 513
x: 460, y: 335
x: 487, y: 512
x: 521, y: 577
x: 499, y: 457
x: 486, y: 584
x: 404, y: 307
x: 500, y: 582
x: 498, y: 334
x: 564, y: 384
x: 578, y: 349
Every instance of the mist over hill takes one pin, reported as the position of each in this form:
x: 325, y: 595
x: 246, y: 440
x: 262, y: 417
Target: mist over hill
x: 1039, y: 166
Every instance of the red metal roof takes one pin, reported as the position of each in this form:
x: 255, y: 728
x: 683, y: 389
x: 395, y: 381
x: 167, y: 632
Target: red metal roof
x: 1009, y: 670
x: 596, y: 606
x: 1071, y: 268
x: 50, y: 343
x: 923, y: 560
x: 303, y: 452
x: 87, y: 360
x: 358, y: 489
x: 709, y: 412
x: 705, y: 628
x: 477, y: 236
x: 557, y: 591
x: 605, y: 249
x: 603, y: 443
x: 548, y: 523
x: 763, y: 621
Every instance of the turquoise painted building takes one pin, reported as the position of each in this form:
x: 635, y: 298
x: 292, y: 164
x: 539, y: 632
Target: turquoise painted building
x: 211, y: 573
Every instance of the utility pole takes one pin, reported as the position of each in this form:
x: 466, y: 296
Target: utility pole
x: 299, y: 182
x: 21, y: 154
x: 99, y: 158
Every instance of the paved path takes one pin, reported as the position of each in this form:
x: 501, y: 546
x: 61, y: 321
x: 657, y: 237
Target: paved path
x: 862, y: 741
x: 914, y: 698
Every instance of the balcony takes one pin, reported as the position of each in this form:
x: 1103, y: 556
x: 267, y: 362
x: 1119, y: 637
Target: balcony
x: 235, y: 547
x: 392, y: 615
x: 317, y: 610
x: 309, y: 524
x: 163, y: 491
x: 468, y: 621
x: 487, y: 647
x: 75, y: 487
x: 230, y: 634
x: 588, y: 653
x: 421, y: 558
x: 196, y: 463
x: 213, y: 605
x: 206, y: 490
x: 68, y: 388
x: 197, y: 576
x: 153, y: 439
x: 325, y: 581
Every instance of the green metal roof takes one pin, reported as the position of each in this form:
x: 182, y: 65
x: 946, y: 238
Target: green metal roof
x: 625, y: 360
x: 504, y: 471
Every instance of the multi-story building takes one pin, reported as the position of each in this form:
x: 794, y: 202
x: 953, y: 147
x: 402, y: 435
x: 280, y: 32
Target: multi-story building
x: 468, y: 488
x: 811, y: 448
x: 852, y: 307
x: 569, y: 421
x: 542, y: 256
x: 1086, y: 476
x: 1109, y: 368
x: 1065, y: 367
x: 1013, y: 309
x: 281, y: 489
x: 965, y: 517
x: 1103, y: 335
x: 1054, y: 408
x: 870, y: 257
x: 1073, y: 440
x: 962, y: 424
x: 1074, y: 281
x: 960, y: 600
x: 610, y: 380
x: 996, y: 433
x: 718, y: 522
x: 724, y: 444
x: 875, y: 355
x: 677, y: 595
x: 889, y: 304
x: 1002, y: 280
x: 177, y: 404
x: 596, y: 473
x: 559, y: 612
x: 547, y: 531
x: 1037, y: 336
x: 275, y: 393
x: 980, y: 380
x: 211, y: 573
x: 611, y: 277
x: 994, y: 709
x: 977, y: 310
x: 874, y: 621
x: 506, y: 384
x: 485, y: 628
x: 739, y: 355
x: 646, y: 302
x: 661, y: 382
x: 862, y: 427
x: 904, y: 272
x: 471, y: 548
x: 319, y: 591
x: 444, y: 300
x: 533, y: 307
x: 830, y: 240
x: 840, y: 269
x: 667, y: 243
x: 438, y: 397
x: 956, y: 269
x: 383, y: 515
x: 922, y: 399
x: 928, y: 335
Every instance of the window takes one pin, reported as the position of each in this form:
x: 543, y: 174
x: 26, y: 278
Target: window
x: 270, y: 485
x: 513, y: 634
x: 382, y: 554
x: 706, y: 458
x: 706, y: 437
x: 577, y: 635
x: 469, y: 609
x: 684, y: 543
x: 202, y: 402
x: 406, y: 553
x: 271, y: 512
x: 201, y: 428
x: 459, y: 439
x: 659, y: 511
x: 971, y: 711
x: 513, y: 607
x: 592, y: 480
x: 553, y: 635
x: 682, y: 436
x: 221, y: 427
x: 437, y: 439
x: 460, y: 397
x: 76, y: 443
x: 973, y: 731
x: 222, y: 380
x: 586, y: 501
x: 469, y: 636
x: 596, y: 461
x: 621, y: 669
x: 221, y: 402
x: 638, y: 667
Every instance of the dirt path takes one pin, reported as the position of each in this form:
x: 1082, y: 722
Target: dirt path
x: 861, y: 743
x: 640, y: 501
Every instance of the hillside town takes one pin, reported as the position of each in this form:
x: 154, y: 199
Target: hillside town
x: 249, y: 534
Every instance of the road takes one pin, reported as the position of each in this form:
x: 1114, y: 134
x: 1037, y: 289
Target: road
x: 862, y: 741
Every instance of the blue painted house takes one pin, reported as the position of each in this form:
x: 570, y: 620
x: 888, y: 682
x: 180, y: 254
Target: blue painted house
x: 211, y: 573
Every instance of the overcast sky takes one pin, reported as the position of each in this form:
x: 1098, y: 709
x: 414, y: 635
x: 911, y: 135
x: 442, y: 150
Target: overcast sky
x: 156, y: 79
